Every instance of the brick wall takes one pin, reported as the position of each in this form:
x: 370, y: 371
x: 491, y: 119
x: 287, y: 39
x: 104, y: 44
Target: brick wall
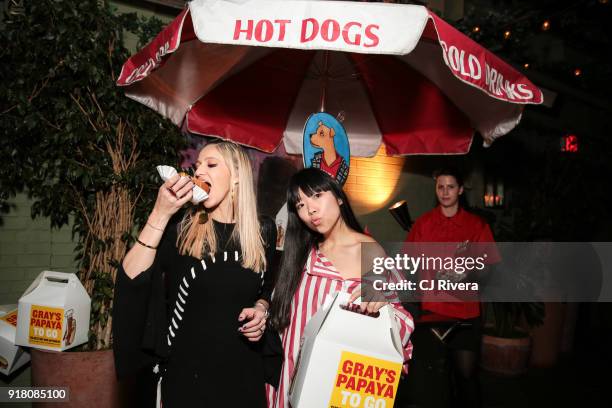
x: 372, y: 181
x: 28, y: 247
x: 372, y: 187
x: 375, y: 183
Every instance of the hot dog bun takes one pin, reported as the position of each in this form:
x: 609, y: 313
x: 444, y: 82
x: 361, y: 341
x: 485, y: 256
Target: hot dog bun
x: 204, y: 186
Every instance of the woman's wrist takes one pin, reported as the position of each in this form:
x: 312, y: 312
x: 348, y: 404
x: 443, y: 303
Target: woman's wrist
x: 157, y: 221
x: 138, y: 241
x: 151, y: 233
x: 263, y: 306
x: 148, y: 224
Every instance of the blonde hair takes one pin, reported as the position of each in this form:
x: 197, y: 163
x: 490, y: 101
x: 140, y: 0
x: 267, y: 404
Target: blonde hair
x: 199, y: 240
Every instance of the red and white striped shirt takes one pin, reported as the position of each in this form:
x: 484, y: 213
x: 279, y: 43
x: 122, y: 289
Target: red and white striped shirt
x: 319, y: 280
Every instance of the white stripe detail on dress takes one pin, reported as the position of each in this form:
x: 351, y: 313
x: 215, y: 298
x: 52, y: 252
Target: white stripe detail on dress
x: 177, y: 314
x: 185, y: 281
x: 178, y: 305
x: 183, y: 291
x: 203, y: 267
x: 212, y: 256
x: 236, y: 256
x: 181, y: 299
x: 158, y: 403
x: 170, y: 330
x: 174, y: 323
x: 224, y: 256
x: 193, y: 271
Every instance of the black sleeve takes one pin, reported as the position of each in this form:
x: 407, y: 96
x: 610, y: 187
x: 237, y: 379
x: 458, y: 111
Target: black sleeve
x: 130, y: 310
x: 272, y: 348
x: 268, y: 232
x: 139, y: 312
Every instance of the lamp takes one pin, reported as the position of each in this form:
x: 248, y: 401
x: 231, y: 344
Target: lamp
x: 499, y: 193
x: 399, y: 211
x: 489, y: 196
x: 494, y: 193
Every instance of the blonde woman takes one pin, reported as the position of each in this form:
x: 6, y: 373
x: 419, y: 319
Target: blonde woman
x: 193, y: 294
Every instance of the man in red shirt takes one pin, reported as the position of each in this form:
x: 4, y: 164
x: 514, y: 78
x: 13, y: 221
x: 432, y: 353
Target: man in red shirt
x: 449, y: 329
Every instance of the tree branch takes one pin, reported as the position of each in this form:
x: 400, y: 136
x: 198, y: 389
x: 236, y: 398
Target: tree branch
x: 84, y: 112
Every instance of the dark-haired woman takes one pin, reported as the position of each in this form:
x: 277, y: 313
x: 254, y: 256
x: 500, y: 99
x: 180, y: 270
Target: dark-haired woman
x: 322, y: 255
x: 457, y: 229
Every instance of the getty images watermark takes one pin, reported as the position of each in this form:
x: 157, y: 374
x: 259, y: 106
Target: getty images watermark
x: 490, y: 272
x: 450, y: 271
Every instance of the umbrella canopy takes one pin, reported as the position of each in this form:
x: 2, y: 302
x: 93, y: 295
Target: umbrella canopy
x: 253, y: 71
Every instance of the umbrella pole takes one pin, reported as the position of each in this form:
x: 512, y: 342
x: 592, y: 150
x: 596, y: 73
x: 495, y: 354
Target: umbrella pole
x: 324, y: 78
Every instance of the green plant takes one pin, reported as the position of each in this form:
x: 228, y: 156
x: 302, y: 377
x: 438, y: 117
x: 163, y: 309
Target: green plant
x: 69, y: 137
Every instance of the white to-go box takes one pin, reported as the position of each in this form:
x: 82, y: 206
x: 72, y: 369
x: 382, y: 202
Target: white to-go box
x: 53, y: 312
x: 348, y: 359
x: 12, y: 357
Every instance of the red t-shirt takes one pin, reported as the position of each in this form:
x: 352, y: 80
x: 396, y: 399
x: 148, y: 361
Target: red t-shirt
x: 463, y: 227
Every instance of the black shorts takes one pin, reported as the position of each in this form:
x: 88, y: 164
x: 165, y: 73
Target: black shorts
x: 461, y: 335
x: 467, y: 336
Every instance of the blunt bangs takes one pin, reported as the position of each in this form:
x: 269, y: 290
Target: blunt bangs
x: 310, y: 181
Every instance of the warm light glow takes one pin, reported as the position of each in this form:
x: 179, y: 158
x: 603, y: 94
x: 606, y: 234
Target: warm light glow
x: 603, y: 1
x: 398, y: 204
x: 577, y: 72
x: 494, y: 193
x: 545, y: 25
x: 372, y: 181
x: 476, y: 29
x: 507, y: 34
x: 499, y: 193
x: 526, y: 65
x: 489, y: 196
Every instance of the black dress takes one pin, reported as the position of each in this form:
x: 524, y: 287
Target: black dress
x: 181, y: 315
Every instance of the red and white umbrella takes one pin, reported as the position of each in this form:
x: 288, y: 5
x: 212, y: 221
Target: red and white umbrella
x: 253, y: 71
